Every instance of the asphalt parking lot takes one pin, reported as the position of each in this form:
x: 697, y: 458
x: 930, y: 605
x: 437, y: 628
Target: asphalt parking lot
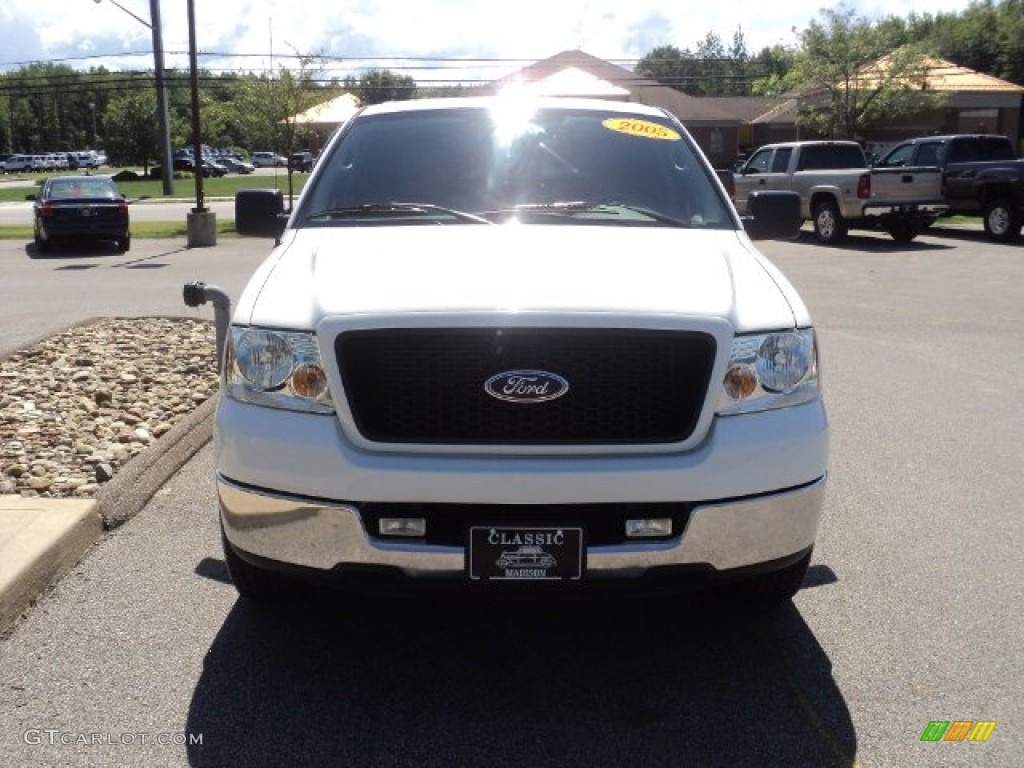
x: 911, y: 612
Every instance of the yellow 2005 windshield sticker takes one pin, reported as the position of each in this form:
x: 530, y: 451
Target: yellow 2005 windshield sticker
x: 643, y: 128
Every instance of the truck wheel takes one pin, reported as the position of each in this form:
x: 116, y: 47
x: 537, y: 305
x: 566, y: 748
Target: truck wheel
x: 829, y: 226
x: 1002, y: 220
x: 769, y: 589
x: 903, y: 231
x: 255, y: 584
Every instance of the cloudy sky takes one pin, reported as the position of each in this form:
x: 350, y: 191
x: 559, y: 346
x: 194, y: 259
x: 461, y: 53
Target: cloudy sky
x: 432, y: 40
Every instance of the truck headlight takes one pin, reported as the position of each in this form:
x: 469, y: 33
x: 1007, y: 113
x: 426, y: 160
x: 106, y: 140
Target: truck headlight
x: 770, y: 370
x: 278, y: 369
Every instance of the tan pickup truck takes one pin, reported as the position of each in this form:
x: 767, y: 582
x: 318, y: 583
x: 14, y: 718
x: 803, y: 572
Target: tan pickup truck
x: 838, y: 190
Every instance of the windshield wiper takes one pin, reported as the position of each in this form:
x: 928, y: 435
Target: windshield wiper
x: 583, y: 206
x: 388, y: 209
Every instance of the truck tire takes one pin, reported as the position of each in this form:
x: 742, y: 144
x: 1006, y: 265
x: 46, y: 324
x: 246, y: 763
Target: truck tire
x: 770, y: 589
x: 1002, y: 220
x: 257, y: 585
x: 904, y: 231
x: 829, y: 226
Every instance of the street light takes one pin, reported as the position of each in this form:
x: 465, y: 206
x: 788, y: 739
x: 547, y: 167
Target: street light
x: 161, y: 88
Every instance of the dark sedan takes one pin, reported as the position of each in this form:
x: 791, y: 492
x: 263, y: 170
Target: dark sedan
x: 76, y: 208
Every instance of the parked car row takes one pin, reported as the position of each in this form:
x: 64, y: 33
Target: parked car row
x: 917, y: 182
x: 233, y: 163
x: 51, y: 161
x: 303, y: 160
x: 216, y: 163
x: 980, y: 177
x: 838, y: 190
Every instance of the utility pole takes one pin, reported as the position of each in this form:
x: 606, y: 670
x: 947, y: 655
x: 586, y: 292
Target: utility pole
x: 161, y: 88
x: 163, y: 117
x: 201, y: 223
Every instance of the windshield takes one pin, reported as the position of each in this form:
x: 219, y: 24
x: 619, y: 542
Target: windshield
x: 549, y: 166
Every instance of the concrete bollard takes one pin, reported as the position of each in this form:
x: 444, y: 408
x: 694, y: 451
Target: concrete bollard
x: 201, y: 228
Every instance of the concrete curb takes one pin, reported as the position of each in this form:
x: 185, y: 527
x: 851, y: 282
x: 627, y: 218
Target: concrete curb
x: 134, y: 484
x: 42, y: 539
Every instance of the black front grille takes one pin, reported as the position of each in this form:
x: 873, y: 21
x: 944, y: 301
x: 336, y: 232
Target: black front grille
x: 604, y: 524
x: 626, y: 386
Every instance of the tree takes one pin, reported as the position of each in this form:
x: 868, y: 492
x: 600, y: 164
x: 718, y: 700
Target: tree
x: 852, y: 74
x: 672, y: 67
x: 667, y: 65
x: 988, y: 37
x: 738, y: 66
x: 46, y: 107
x: 130, y: 132
x: 254, y: 127
x: 711, y: 55
x: 773, y: 71
x: 379, y: 85
x: 709, y: 71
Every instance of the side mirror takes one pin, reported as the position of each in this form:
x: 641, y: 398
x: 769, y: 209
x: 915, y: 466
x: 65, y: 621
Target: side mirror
x: 260, y: 212
x: 773, y: 216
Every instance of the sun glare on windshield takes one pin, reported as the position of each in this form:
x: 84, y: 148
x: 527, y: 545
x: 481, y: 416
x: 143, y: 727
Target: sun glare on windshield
x: 512, y: 117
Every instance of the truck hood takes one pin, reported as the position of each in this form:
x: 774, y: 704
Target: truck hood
x: 321, y: 272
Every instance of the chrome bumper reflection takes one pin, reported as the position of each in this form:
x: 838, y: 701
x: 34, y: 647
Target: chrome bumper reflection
x: 317, y: 534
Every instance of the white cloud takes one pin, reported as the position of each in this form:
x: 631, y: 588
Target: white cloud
x: 521, y: 30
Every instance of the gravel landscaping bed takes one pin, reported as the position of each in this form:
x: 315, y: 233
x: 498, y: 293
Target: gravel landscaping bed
x: 79, y: 405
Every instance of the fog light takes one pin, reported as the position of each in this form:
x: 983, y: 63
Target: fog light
x: 740, y: 382
x: 309, y: 381
x: 403, y: 526
x: 644, y: 529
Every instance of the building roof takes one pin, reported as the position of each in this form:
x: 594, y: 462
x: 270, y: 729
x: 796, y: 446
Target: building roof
x: 575, y: 73
x: 931, y: 74
x: 946, y: 76
x: 545, y: 69
x: 746, y: 108
x: 784, y: 111
x: 331, y: 112
x: 573, y: 81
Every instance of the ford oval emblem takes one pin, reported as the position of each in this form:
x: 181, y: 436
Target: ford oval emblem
x: 526, y: 386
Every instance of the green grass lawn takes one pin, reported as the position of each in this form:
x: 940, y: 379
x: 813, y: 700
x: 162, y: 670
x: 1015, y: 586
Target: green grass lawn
x: 138, y: 229
x: 226, y: 186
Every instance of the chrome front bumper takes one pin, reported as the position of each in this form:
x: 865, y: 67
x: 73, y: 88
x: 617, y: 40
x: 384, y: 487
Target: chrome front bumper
x: 321, y: 535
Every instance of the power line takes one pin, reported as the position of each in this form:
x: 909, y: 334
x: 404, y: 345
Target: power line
x: 312, y: 56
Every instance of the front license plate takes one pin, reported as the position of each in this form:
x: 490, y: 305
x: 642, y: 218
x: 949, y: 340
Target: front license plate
x: 524, y: 553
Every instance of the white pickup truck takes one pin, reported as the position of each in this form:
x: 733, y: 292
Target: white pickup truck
x: 492, y: 327
x: 838, y: 190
